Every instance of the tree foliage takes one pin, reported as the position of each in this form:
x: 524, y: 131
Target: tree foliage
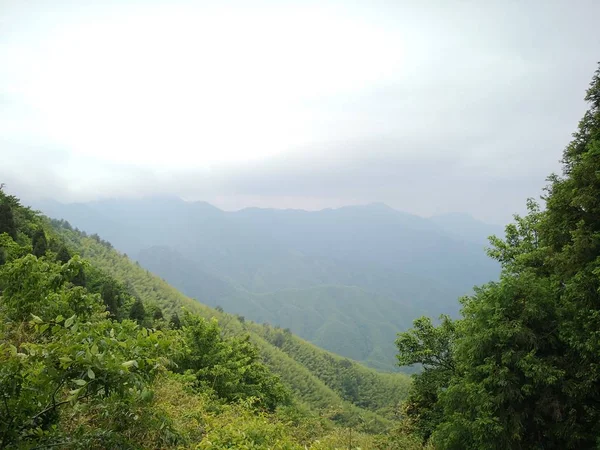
x: 137, y: 311
x: 525, y: 367
x: 7, y: 222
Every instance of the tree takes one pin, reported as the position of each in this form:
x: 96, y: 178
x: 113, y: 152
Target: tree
x: 70, y: 357
x: 63, y: 254
x: 175, y: 322
x: 111, y: 297
x: 431, y: 347
x: 526, y: 359
x: 7, y: 221
x: 571, y: 231
x: 39, y: 242
x: 230, y: 367
x: 79, y: 279
x: 137, y: 311
x: 157, y: 314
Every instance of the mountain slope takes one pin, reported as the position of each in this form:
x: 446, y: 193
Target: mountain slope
x: 330, y: 315
x: 96, y: 352
x: 318, y: 392
x: 465, y: 227
x: 312, y: 272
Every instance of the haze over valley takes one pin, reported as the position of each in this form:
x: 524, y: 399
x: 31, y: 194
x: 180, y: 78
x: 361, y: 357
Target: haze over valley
x: 346, y: 279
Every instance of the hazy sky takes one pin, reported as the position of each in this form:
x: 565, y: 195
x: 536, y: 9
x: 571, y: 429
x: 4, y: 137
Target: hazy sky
x: 430, y: 106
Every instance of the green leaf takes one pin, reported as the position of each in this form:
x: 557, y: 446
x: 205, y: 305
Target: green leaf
x: 94, y: 349
x: 133, y: 362
x: 69, y: 321
x: 80, y: 382
x: 37, y: 319
x: 90, y: 373
x: 65, y: 359
x: 73, y: 394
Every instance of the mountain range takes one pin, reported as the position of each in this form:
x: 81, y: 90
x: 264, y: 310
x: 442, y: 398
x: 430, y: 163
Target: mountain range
x: 345, y: 279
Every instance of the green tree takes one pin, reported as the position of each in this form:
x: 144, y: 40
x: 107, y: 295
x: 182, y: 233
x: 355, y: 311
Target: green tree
x: 7, y: 221
x: 175, y: 322
x: 433, y: 348
x: 229, y: 367
x: 58, y: 350
x: 63, y: 254
x: 39, y: 242
x: 523, y: 370
x: 526, y: 360
x: 571, y: 231
x: 111, y: 297
x: 137, y: 311
x: 157, y: 314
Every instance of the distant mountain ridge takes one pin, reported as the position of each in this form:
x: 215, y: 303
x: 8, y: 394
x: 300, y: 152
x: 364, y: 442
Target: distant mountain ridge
x: 310, y: 271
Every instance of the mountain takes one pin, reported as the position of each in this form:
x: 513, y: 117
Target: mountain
x: 97, y: 352
x: 283, y: 352
x: 313, y: 272
x: 466, y: 227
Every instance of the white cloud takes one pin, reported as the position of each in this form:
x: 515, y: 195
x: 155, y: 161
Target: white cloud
x: 182, y: 85
x: 290, y: 104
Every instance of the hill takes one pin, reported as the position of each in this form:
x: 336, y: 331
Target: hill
x: 312, y: 272
x: 96, y: 351
x: 317, y: 392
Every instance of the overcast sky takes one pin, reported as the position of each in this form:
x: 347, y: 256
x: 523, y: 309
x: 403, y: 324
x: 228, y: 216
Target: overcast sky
x: 430, y: 107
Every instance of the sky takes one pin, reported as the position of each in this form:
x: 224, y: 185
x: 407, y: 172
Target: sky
x: 430, y: 107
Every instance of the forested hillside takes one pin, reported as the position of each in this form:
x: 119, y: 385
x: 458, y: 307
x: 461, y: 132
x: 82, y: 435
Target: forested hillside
x: 157, y: 292
x: 312, y: 272
x: 521, y: 368
x: 96, y: 352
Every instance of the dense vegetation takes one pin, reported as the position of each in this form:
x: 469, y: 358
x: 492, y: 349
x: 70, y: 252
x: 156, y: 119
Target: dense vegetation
x: 305, y: 384
x: 95, y: 352
x: 521, y: 368
x: 318, y: 273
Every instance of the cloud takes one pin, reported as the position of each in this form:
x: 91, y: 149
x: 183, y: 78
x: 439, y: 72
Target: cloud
x: 428, y: 106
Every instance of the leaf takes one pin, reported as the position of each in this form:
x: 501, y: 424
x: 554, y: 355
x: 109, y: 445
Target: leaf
x: 69, y: 321
x: 74, y: 393
x: 80, y: 382
x: 65, y: 359
x: 133, y: 362
x: 37, y: 319
x: 90, y: 373
x: 94, y: 349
